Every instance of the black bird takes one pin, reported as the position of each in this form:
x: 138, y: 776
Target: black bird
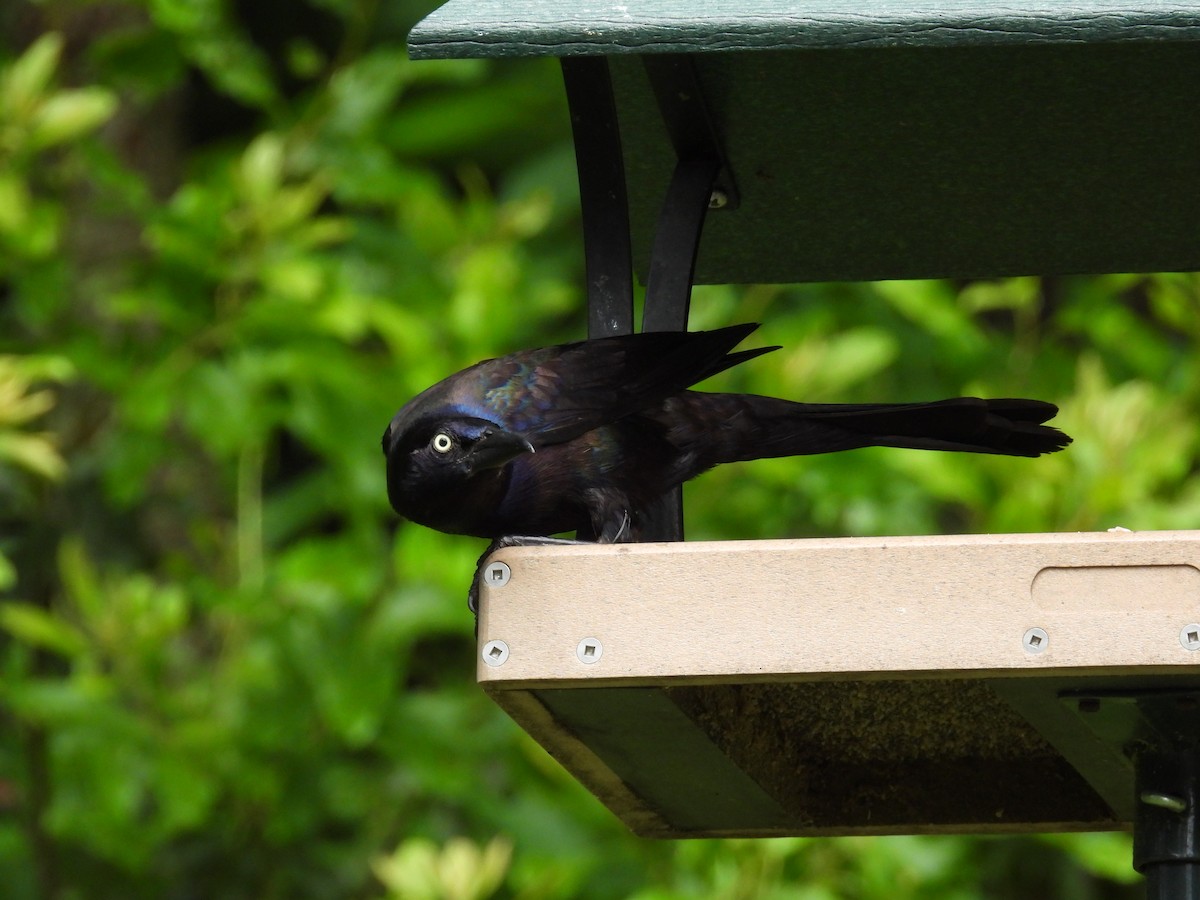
x: 579, y: 437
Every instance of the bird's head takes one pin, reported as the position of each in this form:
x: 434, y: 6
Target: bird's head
x: 444, y: 471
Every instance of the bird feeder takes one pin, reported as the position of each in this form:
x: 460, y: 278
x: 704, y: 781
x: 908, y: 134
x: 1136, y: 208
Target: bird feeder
x: 990, y: 684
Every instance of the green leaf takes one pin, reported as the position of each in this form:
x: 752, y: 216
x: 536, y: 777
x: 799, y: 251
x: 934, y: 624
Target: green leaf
x: 410, y: 872
x: 261, y: 169
x: 184, y: 16
x: 934, y: 307
x: 39, y: 628
x: 15, y: 203
x: 236, y: 67
x: 142, y: 59
x: 27, y: 79
x: 71, y: 114
x: 8, y: 573
x: 1106, y: 854
x: 80, y: 579
x: 459, y: 871
x: 34, y: 452
x: 34, y: 236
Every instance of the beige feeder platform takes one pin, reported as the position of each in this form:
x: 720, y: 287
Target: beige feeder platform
x: 844, y: 686
x: 849, y: 686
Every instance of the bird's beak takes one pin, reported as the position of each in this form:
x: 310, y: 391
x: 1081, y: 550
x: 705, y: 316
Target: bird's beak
x: 496, y: 448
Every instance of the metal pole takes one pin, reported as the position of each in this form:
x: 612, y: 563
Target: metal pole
x: 1166, y: 845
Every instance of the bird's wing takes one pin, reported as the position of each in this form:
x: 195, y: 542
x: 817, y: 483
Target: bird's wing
x: 557, y: 393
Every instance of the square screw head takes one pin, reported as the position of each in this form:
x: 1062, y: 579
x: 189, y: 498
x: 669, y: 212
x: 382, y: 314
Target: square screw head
x: 1189, y: 636
x: 1035, y: 640
x: 497, y: 574
x: 589, y: 651
x: 495, y: 653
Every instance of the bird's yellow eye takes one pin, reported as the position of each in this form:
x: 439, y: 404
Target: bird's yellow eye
x: 441, y: 442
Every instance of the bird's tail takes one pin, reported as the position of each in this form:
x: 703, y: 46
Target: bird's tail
x: 740, y: 427
x: 1009, y: 426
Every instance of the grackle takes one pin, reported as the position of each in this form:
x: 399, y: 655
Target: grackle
x: 580, y: 437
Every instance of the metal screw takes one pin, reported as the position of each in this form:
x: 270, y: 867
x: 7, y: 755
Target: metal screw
x: 497, y: 574
x: 495, y: 653
x: 718, y: 199
x: 1163, y: 801
x: 589, y: 651
x: 1190, y: 637
x: 1035, y: 640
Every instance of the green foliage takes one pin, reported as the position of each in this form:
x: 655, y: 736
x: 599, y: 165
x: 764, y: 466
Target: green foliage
x: 227, y: 670
x: 418, y: 870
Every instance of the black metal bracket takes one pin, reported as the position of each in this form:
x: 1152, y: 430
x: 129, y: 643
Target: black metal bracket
x: 701, y: 181
x: 602, y: 196
x: 688, y: 123
x: 692, y: 191
x: 1156, y: 734
x: 669, y: 297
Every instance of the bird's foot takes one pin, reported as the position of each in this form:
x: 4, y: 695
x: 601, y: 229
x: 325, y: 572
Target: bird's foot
x: 501, y: 543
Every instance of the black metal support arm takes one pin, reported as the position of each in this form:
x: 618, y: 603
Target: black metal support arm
x: 602, y: 196
x: 692, y: 192
x: 606, y: 218
x: 673, y: 259
x: 669, y: 295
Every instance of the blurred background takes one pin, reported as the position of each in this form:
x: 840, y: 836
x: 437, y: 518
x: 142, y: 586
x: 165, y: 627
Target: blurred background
x: 234, y: 238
